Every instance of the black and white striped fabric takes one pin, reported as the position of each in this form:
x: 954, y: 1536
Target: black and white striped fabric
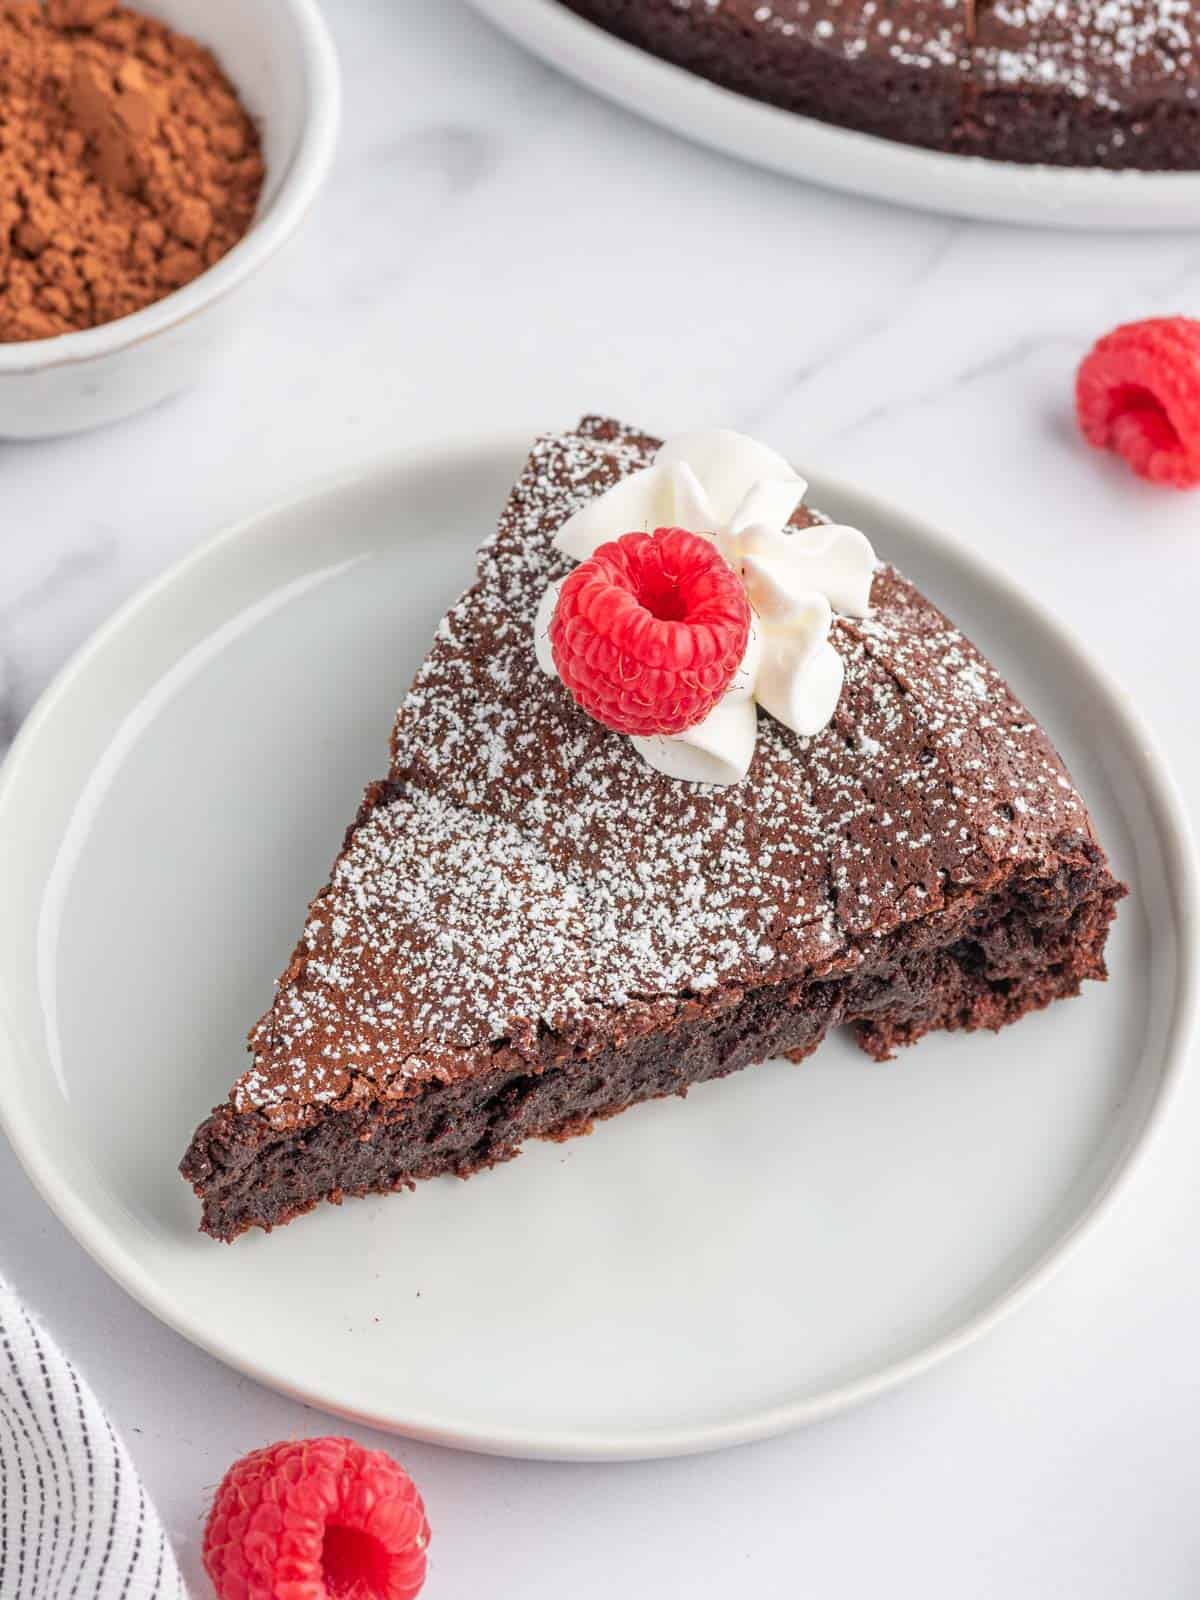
x: 75, y: 1522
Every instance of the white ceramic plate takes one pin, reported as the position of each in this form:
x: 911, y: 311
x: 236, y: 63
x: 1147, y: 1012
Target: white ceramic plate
x: 697, y: 1272
x: 1001, y: 191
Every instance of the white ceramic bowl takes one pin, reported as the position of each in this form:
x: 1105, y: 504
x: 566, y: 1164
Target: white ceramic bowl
x: 280, y: 58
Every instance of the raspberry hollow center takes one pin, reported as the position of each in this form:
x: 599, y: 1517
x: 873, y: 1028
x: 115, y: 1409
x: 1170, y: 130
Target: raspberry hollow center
x: 354, y: 1564
x: 1133, y: 406
x: 662, y: 574
x: 661, y: 594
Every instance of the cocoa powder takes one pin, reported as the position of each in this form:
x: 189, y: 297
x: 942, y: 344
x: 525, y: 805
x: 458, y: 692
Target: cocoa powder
x: 127, y: 164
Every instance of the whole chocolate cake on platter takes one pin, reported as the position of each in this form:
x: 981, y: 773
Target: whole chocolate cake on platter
x: 686, y: 779
x: 1108, y: 83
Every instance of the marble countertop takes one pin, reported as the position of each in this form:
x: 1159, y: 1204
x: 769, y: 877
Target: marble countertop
x: 498, y: 248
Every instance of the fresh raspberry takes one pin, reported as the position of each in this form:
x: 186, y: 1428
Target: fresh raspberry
x: 1138, y: 392
x: 648, y: 634
x: 316, y: 1519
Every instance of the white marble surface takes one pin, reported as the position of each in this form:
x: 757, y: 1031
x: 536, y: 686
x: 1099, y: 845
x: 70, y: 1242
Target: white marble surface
x: 497, y: 247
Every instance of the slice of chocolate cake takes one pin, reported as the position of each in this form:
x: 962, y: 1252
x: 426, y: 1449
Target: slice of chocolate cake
x: 1109, y: 83
x: 899, y: 69
x: 529, y: 927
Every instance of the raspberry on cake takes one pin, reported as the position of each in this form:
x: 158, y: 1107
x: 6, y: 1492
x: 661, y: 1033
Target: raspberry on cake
x: 535, y: 921
x: 648, y: 633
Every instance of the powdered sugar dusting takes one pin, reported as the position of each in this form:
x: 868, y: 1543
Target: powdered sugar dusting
x: 525, y: 875
x: 1091, y: 49
x: 911, y: 35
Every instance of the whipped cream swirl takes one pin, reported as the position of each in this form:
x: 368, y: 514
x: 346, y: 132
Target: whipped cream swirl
x: 740, y: 494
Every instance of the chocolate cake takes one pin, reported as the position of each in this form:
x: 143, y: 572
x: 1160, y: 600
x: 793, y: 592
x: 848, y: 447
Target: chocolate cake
x: 528, y: 928
x: 1110, y: 83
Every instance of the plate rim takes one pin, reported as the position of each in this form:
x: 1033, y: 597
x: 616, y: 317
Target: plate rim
x: 113, y: 1254
x: 842, y: 159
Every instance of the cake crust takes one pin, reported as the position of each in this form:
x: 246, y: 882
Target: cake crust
x: 528, y: 928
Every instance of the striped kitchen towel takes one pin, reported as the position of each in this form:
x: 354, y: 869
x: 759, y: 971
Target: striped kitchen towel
x: 75, y: 1522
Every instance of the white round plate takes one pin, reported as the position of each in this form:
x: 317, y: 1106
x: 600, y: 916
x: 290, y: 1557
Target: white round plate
x: 966, y: 186
x: 696, y: 1273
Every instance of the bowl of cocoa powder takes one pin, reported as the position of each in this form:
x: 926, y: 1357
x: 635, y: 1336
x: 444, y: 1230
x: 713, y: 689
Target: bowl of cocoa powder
x: 153, y: 163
